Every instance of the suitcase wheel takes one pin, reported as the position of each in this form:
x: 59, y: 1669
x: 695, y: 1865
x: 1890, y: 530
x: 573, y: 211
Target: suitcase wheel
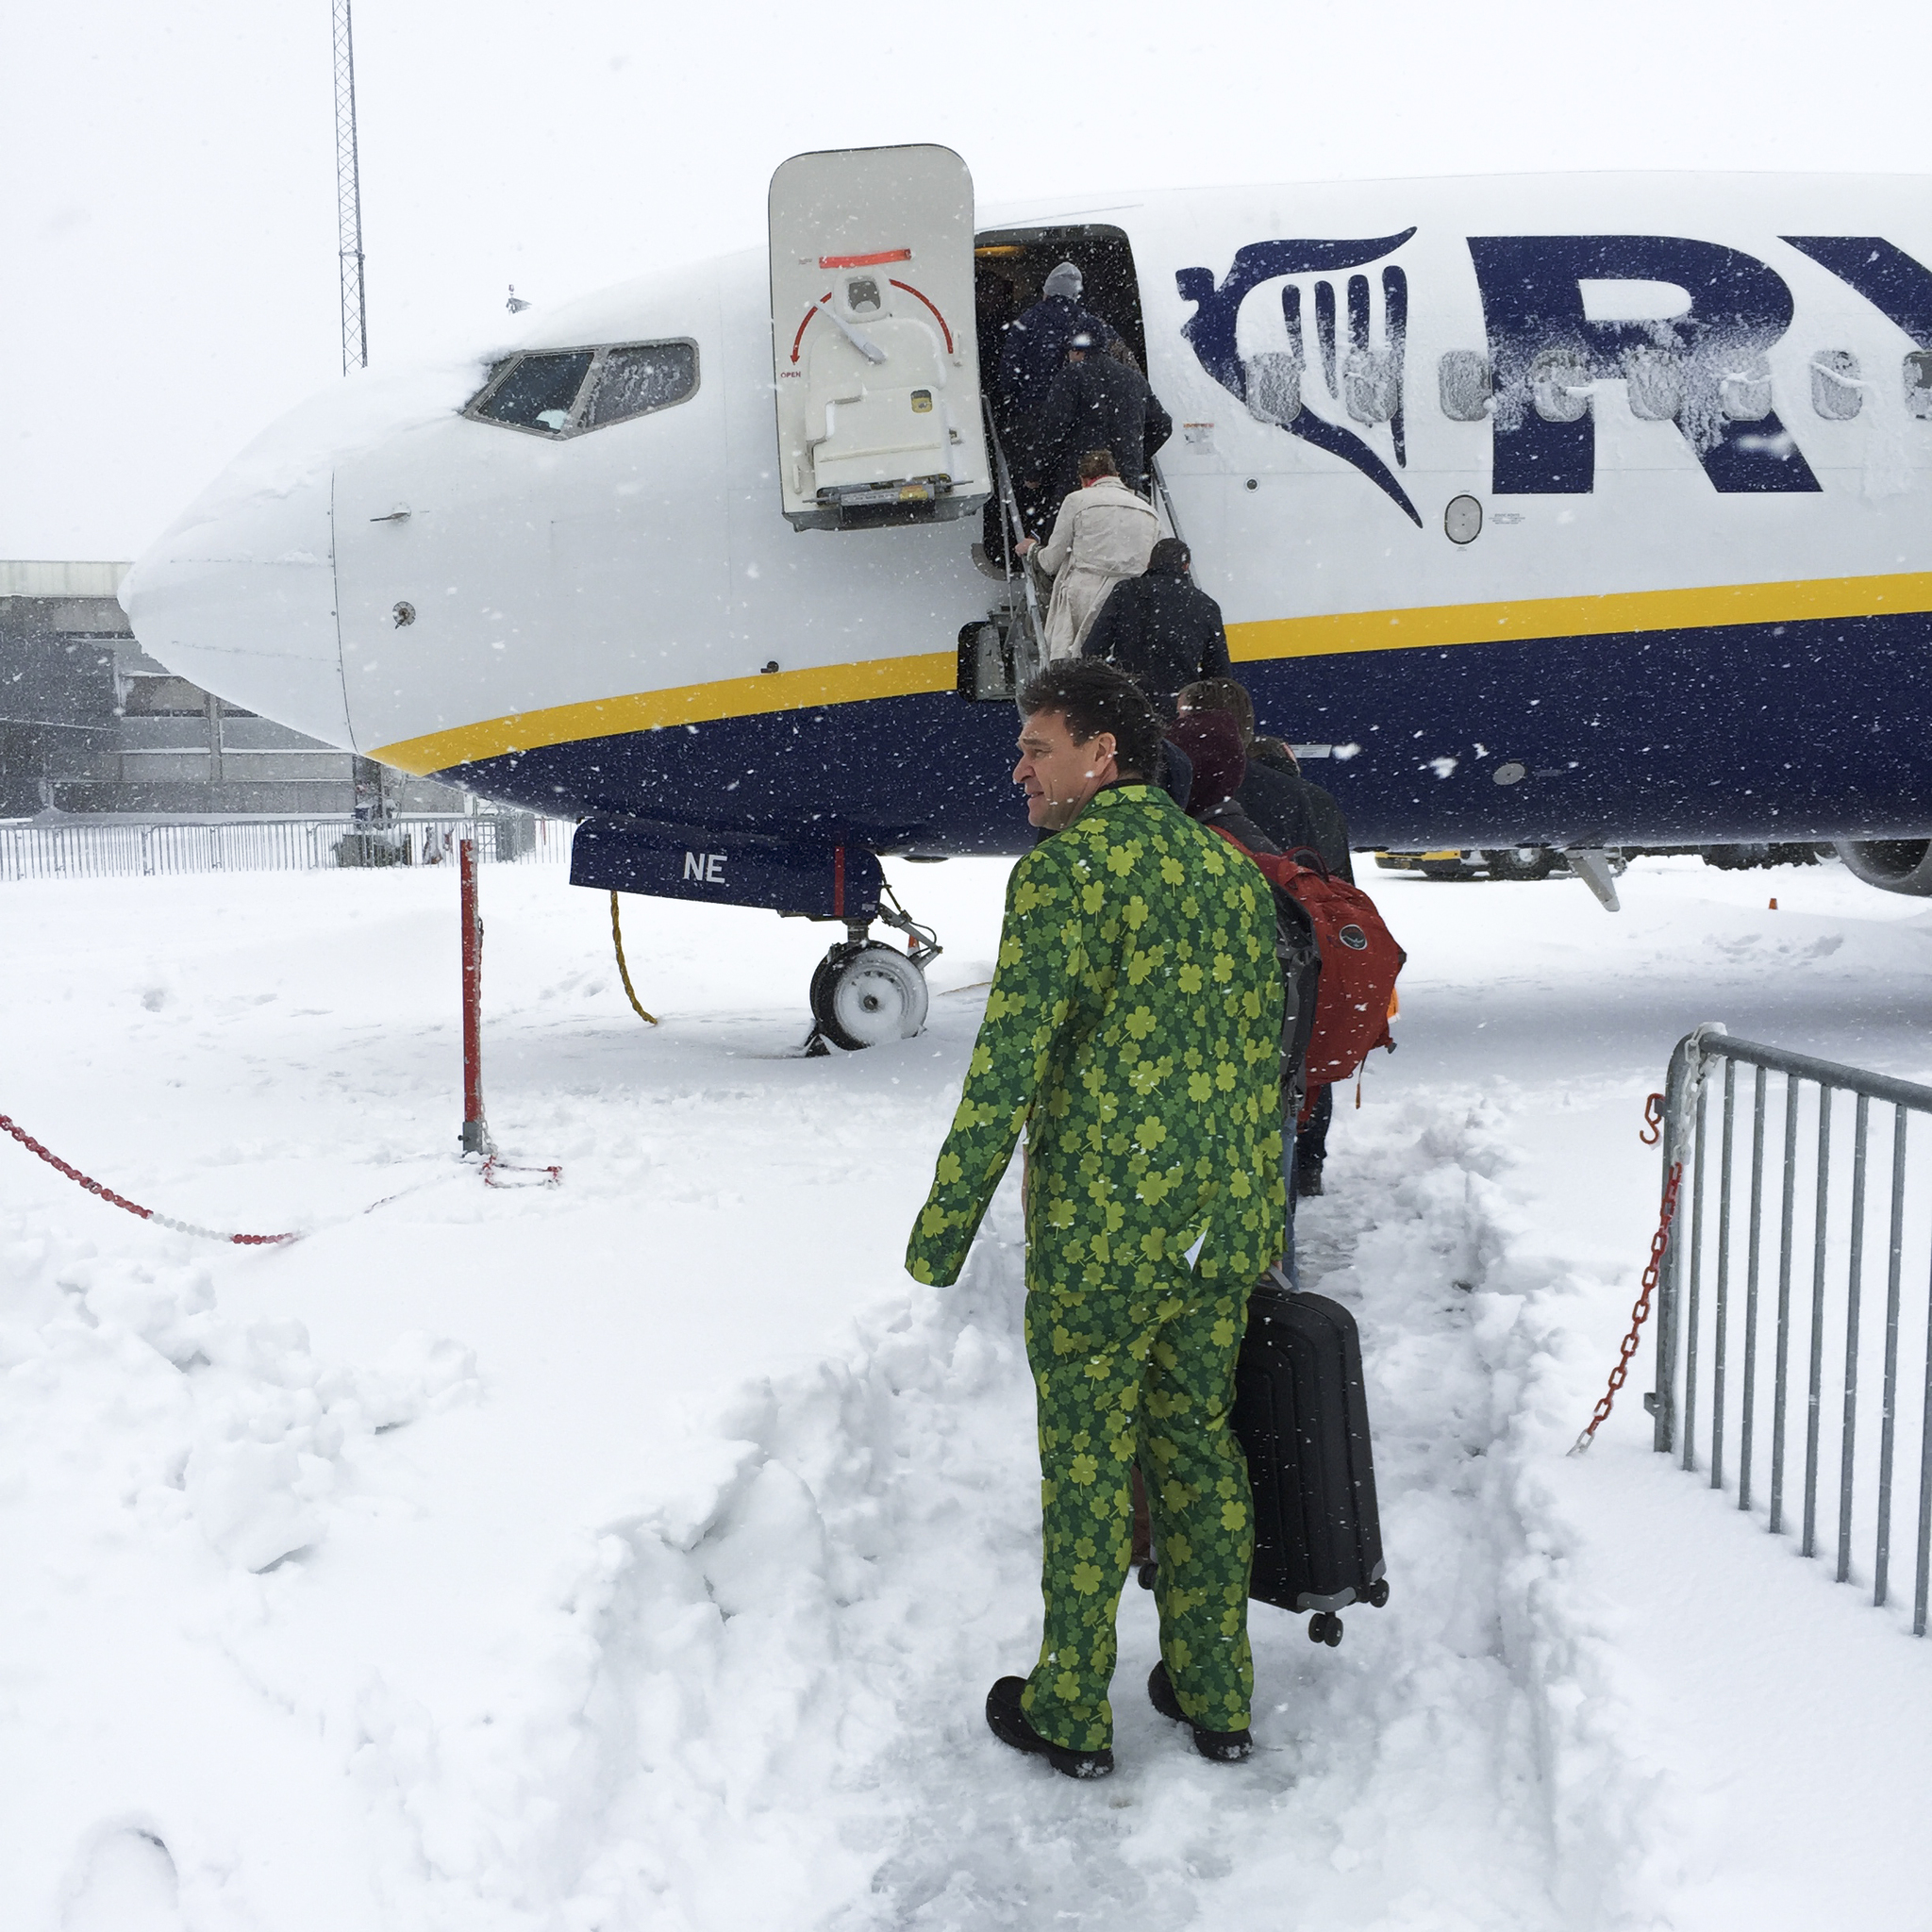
x: 1377, y: 1593
x: 1325, y: 1627
x: 1145, y: 1575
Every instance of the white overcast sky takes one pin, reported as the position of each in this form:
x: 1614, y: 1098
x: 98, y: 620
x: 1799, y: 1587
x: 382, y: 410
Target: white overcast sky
x: 167, y: 173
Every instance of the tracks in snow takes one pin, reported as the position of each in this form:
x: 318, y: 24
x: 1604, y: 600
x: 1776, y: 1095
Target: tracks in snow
x: 788, y: 1697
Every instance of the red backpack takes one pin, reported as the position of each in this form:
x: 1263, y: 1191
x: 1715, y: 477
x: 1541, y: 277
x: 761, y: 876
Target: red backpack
x: 1359, y: 960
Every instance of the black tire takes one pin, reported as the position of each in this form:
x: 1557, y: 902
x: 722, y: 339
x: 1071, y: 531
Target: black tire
x: 1520, y: 862
x: 1443, y: 869
x: 1377, y: 1593
x: 867, y: 989
x: 1144, y: 1574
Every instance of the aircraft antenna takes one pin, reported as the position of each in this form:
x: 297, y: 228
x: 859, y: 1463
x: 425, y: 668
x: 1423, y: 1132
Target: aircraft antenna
x: 349, y: 198
x: 370, y: 797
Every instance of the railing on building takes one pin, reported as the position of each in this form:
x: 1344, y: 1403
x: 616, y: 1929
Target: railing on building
x: 123, y: 850
x: 1799, y: 1292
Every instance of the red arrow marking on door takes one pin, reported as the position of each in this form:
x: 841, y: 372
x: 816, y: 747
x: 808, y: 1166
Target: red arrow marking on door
x: 945, y: 330
x: 807, y: 323
x: 935, y: 315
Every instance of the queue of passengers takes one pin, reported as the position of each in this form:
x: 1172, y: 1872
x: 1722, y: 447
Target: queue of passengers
x: 1156, y: 1189
x: 1124, y: 594
x: 1083, y: 416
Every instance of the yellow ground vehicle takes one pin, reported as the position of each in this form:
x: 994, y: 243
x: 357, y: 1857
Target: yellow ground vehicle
x: 1507, y: 862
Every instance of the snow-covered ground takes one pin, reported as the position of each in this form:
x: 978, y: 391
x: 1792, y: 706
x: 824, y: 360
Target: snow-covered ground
x: 636, y: 1552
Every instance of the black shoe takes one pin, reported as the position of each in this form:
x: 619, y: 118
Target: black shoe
x: 1224, y: 1747
x: 1308, y: 1180
x: 1007, y: 1722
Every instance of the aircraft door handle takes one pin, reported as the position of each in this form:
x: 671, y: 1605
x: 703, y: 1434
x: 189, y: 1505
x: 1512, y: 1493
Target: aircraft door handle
x: 398, y: 515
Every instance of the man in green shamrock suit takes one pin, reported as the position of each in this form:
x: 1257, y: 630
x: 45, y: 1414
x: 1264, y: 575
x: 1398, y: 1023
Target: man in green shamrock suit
x: 1133, y: 1030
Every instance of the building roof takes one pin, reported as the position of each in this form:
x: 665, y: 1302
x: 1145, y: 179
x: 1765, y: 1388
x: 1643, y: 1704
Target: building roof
x: 61, y: 579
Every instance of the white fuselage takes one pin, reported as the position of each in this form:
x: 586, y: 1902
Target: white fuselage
x: 1688, y: 596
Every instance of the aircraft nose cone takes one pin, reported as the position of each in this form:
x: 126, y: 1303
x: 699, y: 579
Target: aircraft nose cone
x: 239, y: 596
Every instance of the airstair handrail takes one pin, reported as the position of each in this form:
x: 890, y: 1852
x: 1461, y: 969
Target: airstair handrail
x: 1164, y: 496
x: 1013, y: 529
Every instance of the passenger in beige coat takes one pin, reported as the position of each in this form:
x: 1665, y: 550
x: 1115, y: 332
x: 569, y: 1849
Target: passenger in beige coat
x: 1102, y: 533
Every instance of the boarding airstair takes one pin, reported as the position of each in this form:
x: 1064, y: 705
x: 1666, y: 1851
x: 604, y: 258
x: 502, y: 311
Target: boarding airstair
x: 1009, y: 650
x: 1011, y: 646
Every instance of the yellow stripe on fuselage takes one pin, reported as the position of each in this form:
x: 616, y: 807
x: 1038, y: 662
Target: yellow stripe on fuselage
x: 684, y: 704
x: 1617, y: 612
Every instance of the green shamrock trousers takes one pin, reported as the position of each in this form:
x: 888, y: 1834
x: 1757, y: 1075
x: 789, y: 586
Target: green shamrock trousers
x: 1146, y: 1377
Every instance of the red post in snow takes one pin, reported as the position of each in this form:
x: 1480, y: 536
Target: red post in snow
x: 476, y: 1134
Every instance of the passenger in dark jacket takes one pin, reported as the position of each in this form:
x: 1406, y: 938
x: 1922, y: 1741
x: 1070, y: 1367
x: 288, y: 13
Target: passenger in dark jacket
x: 1298, y: 814
x: 1211, y: 743
x: 1329, y: 825
x: 1161, y: 628
x: 1330, y: 832
x: 1281, y: 804
x: 1294, y: 813
x: 1035, y: 348
x: 1096, y: 402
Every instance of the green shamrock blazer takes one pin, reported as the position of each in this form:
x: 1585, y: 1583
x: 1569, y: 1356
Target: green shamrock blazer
x: 1133, y: 1030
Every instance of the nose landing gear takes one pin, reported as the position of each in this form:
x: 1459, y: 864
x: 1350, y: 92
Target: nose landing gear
x: 864, y: 993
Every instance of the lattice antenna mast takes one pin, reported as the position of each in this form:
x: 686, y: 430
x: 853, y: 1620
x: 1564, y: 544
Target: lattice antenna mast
x: 349, y: 198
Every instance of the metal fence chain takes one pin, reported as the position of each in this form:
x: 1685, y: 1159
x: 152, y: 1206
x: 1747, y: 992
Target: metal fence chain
x: 1659, y: 1242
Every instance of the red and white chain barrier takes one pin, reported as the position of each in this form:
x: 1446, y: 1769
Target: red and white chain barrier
x: 492, y: 1166
x: 134, y: 1207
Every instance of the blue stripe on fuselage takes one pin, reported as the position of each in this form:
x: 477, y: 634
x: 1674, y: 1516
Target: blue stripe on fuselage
x: 1791, y: 732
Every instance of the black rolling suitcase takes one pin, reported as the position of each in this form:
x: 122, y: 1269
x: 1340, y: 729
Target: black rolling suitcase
x: 1302, y: 1417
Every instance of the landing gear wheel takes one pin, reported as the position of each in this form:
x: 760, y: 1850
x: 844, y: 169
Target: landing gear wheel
x: 1377, y: 1593
x: 1145, y: 1573
x: 1520, y: 862
x: 1325, y: 1627
x: 865, y: 995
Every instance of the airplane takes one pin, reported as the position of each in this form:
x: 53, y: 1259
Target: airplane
x: 1574, y: 512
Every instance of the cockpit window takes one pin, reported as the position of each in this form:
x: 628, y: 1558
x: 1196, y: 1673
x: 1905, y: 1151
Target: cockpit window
x: 539, y: 393
x: 566, y: 391
x: 633, y: 382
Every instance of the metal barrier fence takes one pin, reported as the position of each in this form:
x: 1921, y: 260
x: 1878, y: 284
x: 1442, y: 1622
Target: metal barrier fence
x: 144, y: 851
x: 1815, y: 1330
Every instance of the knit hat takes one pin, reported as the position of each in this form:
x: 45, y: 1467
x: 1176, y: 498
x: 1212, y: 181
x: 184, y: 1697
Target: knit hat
x: 1066, y: 280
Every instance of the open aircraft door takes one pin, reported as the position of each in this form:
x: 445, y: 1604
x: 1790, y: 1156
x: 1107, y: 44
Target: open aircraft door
x: 872, y: 342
